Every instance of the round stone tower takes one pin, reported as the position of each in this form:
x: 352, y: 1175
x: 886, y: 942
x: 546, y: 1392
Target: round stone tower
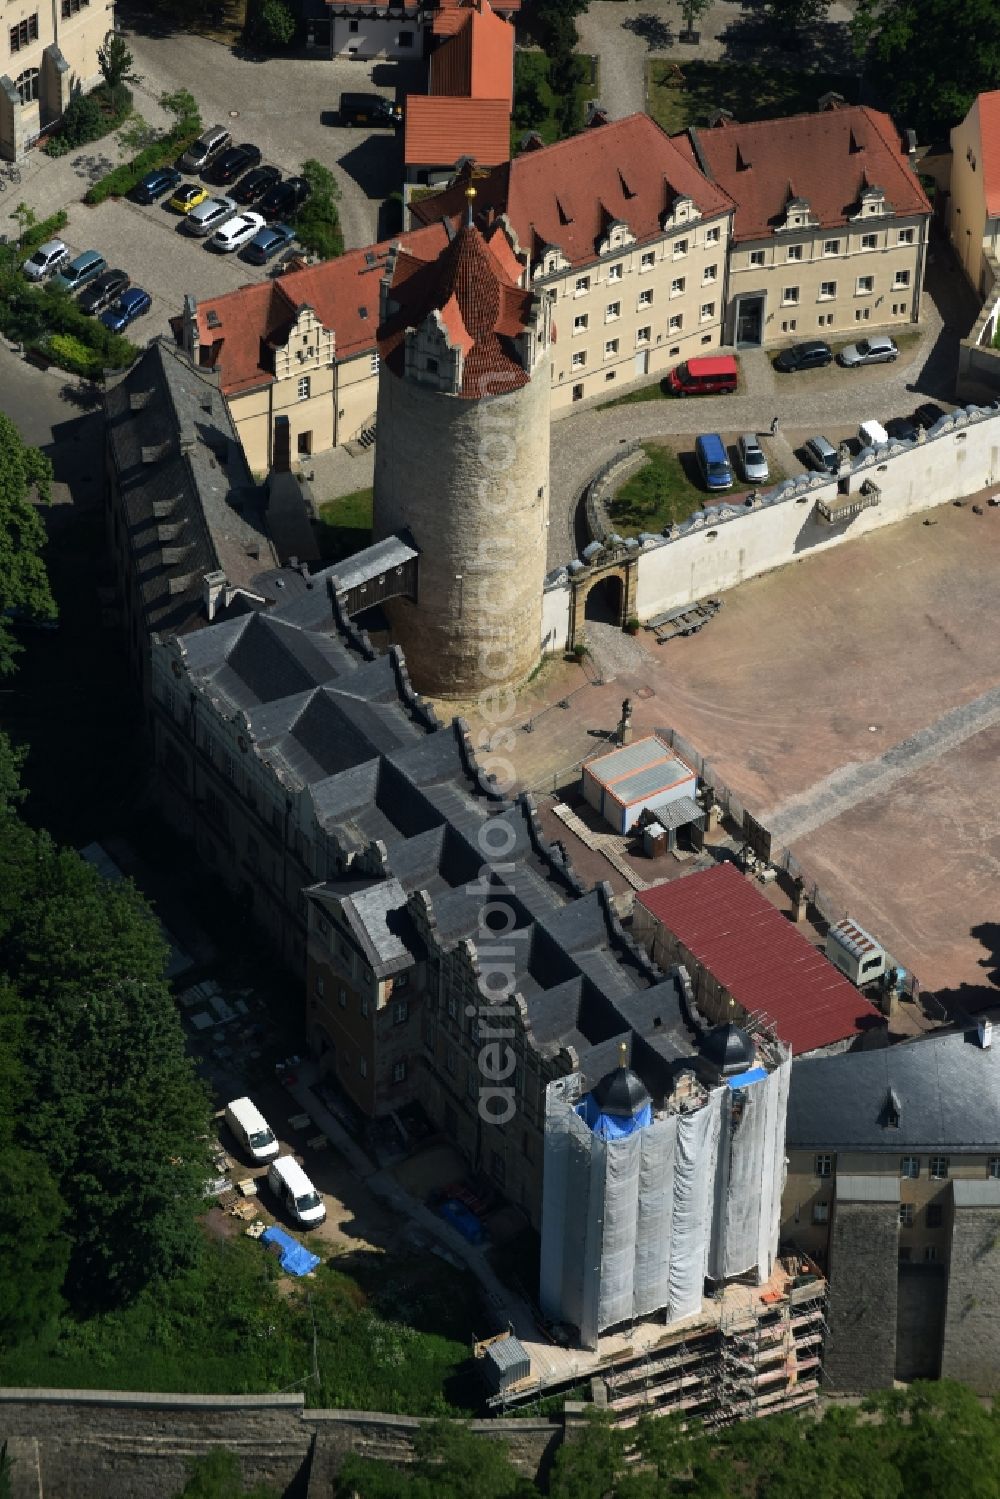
x: 462, y: 458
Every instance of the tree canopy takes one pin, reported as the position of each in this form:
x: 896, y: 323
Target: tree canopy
x: 25, y: 475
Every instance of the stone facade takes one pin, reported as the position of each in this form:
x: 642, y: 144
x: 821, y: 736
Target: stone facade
x: 972, y: 1314
x: 47, y: 53
x: 861, y: 1348
x: 973, y: 211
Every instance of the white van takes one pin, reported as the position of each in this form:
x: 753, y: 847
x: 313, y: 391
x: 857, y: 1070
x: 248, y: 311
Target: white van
x: 872, y: 434
x: 295, y: 1191
x: 251, y: 1129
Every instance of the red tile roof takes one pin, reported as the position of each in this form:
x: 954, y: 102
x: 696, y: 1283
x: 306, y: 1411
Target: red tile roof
x: 450, y: 14
x: 482, y: 309
x: 989, y: 145
x: 760, y: 958
x: 237, y: 330
x: 438, y: 132
x: 826, y: 158
x: 478, y: 61
x: 567, y: 194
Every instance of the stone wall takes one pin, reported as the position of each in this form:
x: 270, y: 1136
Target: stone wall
x: 861, y: 1347
x: 971, y: 1345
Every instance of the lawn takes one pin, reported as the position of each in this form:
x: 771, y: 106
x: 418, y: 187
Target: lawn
x: 686, y: 93
x: 392, y: 1336
x: 345, y: 525
x: 660, y: 494
x: 536, y: 107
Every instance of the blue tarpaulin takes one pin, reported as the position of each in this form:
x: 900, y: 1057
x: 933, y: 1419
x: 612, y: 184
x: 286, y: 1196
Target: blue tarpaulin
x: 755, y: 1075
x: 611, y: 1126
x: 294, y: 1257
x: 460, y: 1217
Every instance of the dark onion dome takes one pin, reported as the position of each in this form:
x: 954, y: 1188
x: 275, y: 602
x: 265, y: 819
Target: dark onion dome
x: 728, y: 1050
x: 621, y: 1093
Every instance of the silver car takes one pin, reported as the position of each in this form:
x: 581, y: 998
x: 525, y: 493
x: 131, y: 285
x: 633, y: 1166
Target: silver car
x: 879, y: 349
x: 752, y: 460
x: 210, y: 215
x: 46, y: 259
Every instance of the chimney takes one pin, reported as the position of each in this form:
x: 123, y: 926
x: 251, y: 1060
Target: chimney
x: 213, y: 592
x: 985, y: 1034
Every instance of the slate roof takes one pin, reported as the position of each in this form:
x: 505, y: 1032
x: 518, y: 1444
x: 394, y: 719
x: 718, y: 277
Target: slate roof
x: 946, y: 1085
x: 827, y: 158
x: 189, y: 502
x: 760, y: 958
x: 566, y: 194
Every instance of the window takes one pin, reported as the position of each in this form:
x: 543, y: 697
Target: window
x: 938, y: 1167
x: 900, y: 280
x: 824, y: 320
x: 305, y: 386
x: 827, y: 289
x: 930, y: 1255
x: 363, y: 1066
x: 579, y: 360
x: 399, y: 1071
x: 993, y: 1167
x: 869, y: 242
x: 70, y: 7
x: 862, y: 314
x: 431, y: 366
x: 581, y: 322
x: 707, y: 311
x: 319, y: 985
x: 582, y: 286
x: 471, y: 1083
x: 364, y: 1004
x: 712, y: 236
x: 756, y: 257
x: 610, y: 348
x: 905, y: 1214
x: 904, y: 1254
x: 609, y: 376
x: 676, y: 323
x: 615, y: 272
x: 373, y: 363
x: 789, y: 296
x: 646, y: 297
x: 612, y: 311
x: 401, y: 981
x: 451, y: 1005
x: 680, y: 248
x: 406, y: 38
x: 709, y: 274
x: 864, y: 288
x: 831, y: 247
x: 906, y: 236
x: 677, y: 286
x: 497, y: 1170
x: 400, y: 1012
x: 789, y: 326
x: 647, y: 260
x: 21, y: 35
x: 449, y: 1059
x: 27, y: 85
x: 821, y: 1212
x: 644, y: 335
x: 342, y: 997
x: 900, y: 309
x: 823, y: 1165
x: 935, y: 1216
x: 910, y: 1166
x: 352, y: 27
x: 794, y: 252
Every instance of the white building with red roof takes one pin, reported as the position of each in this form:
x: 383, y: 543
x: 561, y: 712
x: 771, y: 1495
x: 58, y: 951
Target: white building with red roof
x: 973, y: 213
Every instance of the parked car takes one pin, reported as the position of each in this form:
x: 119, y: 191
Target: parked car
x: 879, y: 349
x: 822, y: 455
x: 252, y: 1130
x: 132, y: 304
x: 208, y: 145
x: 81, y: 271
x: 209, y: 216
x: 283, y: 200
x: 267, y: 242
x: 811, y: 355
x: 901, y: 428
x: 251, y: 188
x: 295, y: 1191
x: 236, y: 232
x: 752, y: 460
x: 46, y: 259
x: 926, y: 415
x: 155, y: 184
x: 188, y: 197
x: 369, y: 109
x: 713, y: 460
x: 716, y: 374
x: 229, y: 164
x: 105, y: 290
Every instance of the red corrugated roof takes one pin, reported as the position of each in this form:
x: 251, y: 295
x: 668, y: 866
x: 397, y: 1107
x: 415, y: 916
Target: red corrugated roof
x: 760, y: 958
x: 826, y: 158
x: 439, y: 132
x: 236, y: 330
x: 478, y: 61
x: 989, y: 144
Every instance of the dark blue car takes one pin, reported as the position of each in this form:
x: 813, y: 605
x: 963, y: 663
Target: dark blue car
x: 156, y: 184
x: 130, y: 305
x: 267, y: 242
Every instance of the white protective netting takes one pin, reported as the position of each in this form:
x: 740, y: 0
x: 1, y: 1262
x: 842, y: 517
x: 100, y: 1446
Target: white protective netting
x: 694, y: 1202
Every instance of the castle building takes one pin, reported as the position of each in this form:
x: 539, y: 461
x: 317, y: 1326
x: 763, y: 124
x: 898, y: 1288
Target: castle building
x: 462, y: 460
x: 49, y: 52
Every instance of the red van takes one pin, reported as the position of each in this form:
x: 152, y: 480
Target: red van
x: 704, y: 377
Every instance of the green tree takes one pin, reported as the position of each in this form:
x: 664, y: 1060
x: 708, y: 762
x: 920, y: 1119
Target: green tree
x: 82, y: 120
x: 217, y: 1476
x: 33, y: 1246
x: 25, y: 478
x: 117, y: 67
x: 318, y: 223
x: 792, y: 16
x: 591, y: 1462
x: 693, y: 10
x: 450, y: 1462
x: 271, y: 23
x: 929, y: 58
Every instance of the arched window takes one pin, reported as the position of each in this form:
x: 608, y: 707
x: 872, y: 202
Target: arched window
x: 27, y: 85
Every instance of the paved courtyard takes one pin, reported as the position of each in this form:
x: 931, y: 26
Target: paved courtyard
x: 852, y: 700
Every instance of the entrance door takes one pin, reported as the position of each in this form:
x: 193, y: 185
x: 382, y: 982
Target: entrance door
x: 642, y: 362
x: 749, y: 321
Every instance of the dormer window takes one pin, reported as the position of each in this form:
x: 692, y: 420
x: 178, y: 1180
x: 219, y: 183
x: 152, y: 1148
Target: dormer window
x: 432, y: 366
x: 892, y: 1110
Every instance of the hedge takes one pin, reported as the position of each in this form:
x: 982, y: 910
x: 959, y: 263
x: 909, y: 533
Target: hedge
x: 162, y: 153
